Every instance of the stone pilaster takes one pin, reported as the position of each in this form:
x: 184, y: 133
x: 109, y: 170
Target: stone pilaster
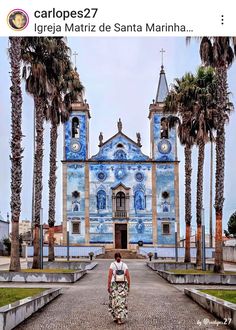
x: 114, y: 235
x: 87, y: 195
x: 176, y: 186
x: 64, y: 202
x: 87, y: 138
x: 151, y: 137
x: 154, y: 205
x: 127, y: 208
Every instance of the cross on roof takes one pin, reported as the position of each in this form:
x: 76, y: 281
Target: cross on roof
x: 162, y: 51
x: 75, y: 54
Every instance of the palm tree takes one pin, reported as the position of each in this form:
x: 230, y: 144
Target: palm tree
x: 179, y: 102
x: 57, y: 64
x: 203, y: 122
x: 66, y: 87
x: 219, y: 52
x: 52, y: 184
x: 34, y: 52
x: 196, y: 100
x: 16, y: 148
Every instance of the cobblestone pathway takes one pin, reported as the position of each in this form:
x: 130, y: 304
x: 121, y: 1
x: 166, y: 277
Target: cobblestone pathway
x: 153, y: 304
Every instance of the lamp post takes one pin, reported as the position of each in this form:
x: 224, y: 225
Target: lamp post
x: 41, y: 238
x: 68, y: 240
x: 8, y: 221
x: 176, y: 247
x: 203, y: 242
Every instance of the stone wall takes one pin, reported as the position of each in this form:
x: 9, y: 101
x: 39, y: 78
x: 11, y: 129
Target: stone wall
x: 229, y: 253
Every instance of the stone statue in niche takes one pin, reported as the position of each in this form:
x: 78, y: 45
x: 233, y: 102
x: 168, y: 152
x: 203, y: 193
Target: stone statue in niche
x: 164, y: 128
x: 139, y: 201
x: 101, y: 200
x: 75, y: 128
x: 75, y: 201
x: 140, y: 226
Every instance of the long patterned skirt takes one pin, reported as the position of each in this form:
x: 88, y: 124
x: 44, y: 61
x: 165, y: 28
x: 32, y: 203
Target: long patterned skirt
x: 118, y: 300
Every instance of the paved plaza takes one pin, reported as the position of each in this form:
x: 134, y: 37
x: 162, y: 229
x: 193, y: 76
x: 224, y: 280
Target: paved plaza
x: 153, y: 304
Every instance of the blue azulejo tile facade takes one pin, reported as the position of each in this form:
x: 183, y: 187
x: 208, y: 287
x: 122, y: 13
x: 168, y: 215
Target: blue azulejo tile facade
x: 75, y: 201
x: 120, y: 197
x: 76, y: 137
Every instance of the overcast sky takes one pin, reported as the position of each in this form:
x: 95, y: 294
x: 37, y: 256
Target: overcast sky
x: 120, y: 76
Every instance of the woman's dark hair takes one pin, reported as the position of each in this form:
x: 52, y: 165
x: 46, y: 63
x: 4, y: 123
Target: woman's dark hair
x: 117, y: 255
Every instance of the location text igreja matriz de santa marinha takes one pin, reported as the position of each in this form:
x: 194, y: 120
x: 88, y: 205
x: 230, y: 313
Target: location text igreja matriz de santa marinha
x: 117, y: 27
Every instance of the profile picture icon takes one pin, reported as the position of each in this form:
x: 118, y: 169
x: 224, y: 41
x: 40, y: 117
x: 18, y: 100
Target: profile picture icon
x: 17, y: 19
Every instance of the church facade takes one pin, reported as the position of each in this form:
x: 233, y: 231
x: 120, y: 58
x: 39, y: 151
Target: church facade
x: 120, y: 196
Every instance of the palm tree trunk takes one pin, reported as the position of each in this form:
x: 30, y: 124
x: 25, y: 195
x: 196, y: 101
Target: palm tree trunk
x: 187, y: 242
x: 221, y: 74
x: 33, y: 182
x: 211, y: 188
x: 38, y: 171
x: 201, y: 151
x: 16, y: 148
x: 188, y: 215
x: 199, y: 246
x: 52, y: 189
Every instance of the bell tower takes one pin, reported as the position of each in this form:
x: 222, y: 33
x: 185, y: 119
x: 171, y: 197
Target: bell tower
x: 76, y: 132
x: 165, y: 170
x: 163, y: 140
x: 76, y: 173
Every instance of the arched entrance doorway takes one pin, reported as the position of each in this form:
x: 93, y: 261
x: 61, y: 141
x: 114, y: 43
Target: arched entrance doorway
x: 120, y: 213
x: 120, y: 229
x: 121, y: 236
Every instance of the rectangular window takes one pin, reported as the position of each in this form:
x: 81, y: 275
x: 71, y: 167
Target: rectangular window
x: 75, y: 227
x: 165, y: 228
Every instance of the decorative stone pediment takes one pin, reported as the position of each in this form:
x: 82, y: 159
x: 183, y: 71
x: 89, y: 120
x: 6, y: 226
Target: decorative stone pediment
x: 121, y: 187
x: 121, y: 148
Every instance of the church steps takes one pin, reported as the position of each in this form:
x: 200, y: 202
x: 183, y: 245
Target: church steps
x: 125, y: 254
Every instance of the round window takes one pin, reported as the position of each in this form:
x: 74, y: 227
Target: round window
x: 139, y: 176
x: 101, y: 176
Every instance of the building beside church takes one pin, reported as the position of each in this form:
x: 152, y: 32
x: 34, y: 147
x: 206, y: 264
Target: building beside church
x: 4, y: 227
x: 121, y: 196
x: 4, y: 231
x: 24, y: 226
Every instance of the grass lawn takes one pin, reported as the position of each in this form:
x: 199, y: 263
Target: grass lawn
x: 228, y: 295
x: 198, y: 271
x: 49, y: 271
x: 10, y: 295
x: 74, y: 260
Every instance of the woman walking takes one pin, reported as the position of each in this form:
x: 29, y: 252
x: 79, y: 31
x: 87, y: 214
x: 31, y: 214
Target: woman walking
x: 118, y: 288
